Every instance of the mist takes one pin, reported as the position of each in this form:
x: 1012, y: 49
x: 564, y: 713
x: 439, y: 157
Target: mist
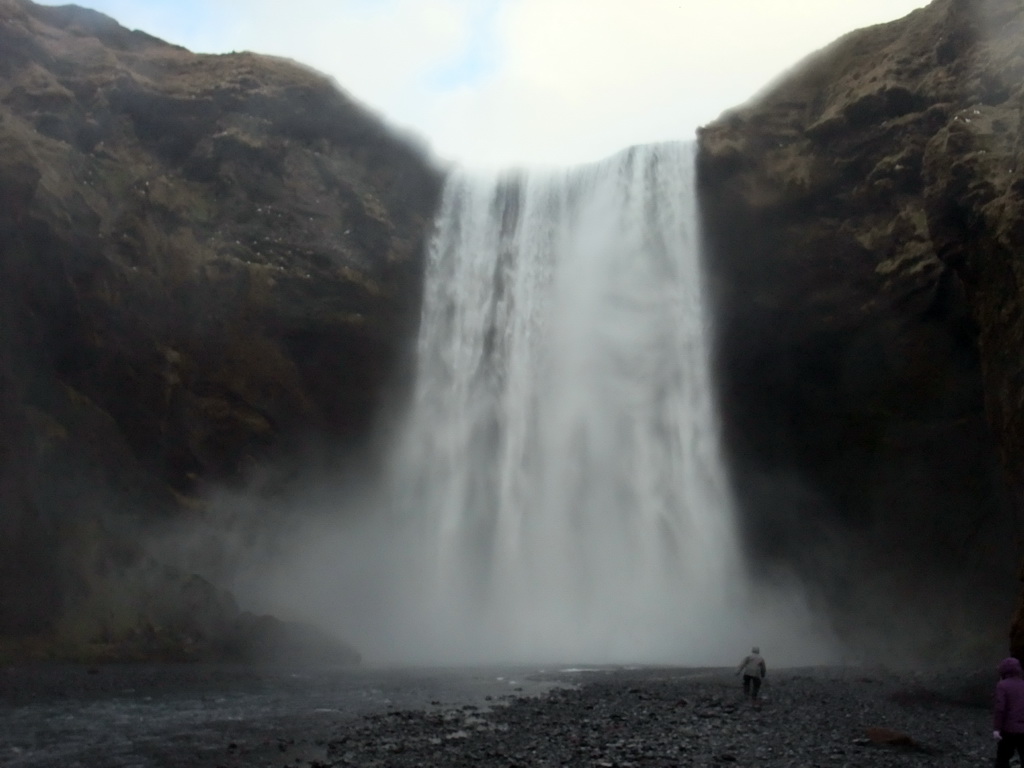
x: 554, y: 491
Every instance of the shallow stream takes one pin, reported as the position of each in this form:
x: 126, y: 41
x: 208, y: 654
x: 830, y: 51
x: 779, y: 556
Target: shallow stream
x: 215, y: 715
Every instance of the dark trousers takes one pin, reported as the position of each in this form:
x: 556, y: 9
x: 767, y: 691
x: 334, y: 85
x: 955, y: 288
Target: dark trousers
x: 752, y: 686
x: 1010, y: 743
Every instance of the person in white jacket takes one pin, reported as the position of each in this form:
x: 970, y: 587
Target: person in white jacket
x: 754, y: 671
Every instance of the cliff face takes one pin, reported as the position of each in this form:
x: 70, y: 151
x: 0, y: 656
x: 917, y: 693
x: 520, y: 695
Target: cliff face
x: 865, y: 218
x: 206, y: 263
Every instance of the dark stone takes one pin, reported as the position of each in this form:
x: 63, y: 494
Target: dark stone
x: 864, y: 241
x: 209, y: 265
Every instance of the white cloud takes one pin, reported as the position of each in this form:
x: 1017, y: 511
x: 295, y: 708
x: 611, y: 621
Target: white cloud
x: 377, y: 49
x: 582, y: 78
x: 566, y: 80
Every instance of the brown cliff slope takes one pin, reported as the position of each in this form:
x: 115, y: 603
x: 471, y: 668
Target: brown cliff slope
x: 865, y: 218
x: 206, y: 262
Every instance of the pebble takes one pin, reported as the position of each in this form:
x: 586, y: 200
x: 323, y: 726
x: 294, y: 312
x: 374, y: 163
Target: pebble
x: 663, y: 718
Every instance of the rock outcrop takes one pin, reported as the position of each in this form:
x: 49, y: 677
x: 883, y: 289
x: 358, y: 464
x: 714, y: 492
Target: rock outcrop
x: 207, y: 263
x: 865, y: 218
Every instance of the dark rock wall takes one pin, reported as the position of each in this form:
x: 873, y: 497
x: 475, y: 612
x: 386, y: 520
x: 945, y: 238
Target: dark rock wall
x: 865, y: 219
x: 207, y: 263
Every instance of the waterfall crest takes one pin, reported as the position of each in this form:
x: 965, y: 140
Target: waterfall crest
x: 559, y: 472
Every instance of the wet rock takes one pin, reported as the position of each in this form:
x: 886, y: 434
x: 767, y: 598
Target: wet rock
x: 864, y: 229
x: 209, y: 266
x: 816, y: 719
x: 888, y: 737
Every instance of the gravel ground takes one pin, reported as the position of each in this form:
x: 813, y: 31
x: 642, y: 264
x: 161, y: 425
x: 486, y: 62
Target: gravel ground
x: 236, y: 718
x: 679, y: 718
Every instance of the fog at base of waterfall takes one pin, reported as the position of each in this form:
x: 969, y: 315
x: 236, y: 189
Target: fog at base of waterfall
x: 556, y: 490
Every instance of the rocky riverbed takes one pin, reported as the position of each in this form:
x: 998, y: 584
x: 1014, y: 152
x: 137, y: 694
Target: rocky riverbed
x: 601, y: 717
x: 673, y: 718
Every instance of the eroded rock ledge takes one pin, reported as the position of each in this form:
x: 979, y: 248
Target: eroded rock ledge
x: 866, y: 226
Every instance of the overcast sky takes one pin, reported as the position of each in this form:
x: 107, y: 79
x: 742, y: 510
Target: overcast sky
x: 499, y: 82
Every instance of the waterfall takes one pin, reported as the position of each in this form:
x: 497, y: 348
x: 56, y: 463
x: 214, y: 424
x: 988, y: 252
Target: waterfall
x: 559, y: 473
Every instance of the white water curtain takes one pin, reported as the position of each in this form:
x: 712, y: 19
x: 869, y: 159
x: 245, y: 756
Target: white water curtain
x: 559, y: 473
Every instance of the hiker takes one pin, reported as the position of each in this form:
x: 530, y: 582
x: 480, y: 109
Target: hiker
x: 1008, y: 716
x: 753, y: 670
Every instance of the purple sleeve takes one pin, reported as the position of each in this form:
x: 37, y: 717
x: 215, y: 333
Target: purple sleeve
x: 999, y: 713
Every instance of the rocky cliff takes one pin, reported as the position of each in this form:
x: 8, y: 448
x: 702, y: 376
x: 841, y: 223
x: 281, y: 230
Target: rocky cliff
x: 865, y: 219
x: 207, y: 263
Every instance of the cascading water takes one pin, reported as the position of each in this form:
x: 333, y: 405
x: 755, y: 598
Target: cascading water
x: 559, y: 473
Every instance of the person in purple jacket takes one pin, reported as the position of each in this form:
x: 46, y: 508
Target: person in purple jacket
x: 1008, y: 716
